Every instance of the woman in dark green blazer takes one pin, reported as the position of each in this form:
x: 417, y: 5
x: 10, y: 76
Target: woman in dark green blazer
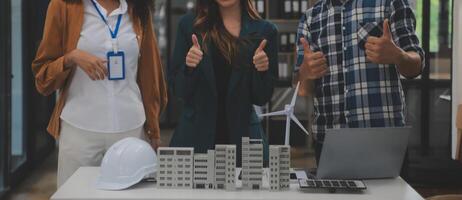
x: 225, y: 61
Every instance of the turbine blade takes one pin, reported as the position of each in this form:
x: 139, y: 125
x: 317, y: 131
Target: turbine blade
x: 294, y: 98
x: 277, y: 113
x: 299, y: 124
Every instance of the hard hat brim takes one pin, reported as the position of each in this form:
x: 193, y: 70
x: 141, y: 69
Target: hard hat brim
x: 102, y: 184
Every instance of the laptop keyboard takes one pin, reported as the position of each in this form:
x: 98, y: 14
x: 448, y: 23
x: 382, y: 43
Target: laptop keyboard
x: 332, y: 184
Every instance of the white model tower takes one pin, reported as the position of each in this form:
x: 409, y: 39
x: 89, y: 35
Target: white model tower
x: 204, y: 170
x: 252, y: 163
x: 175, y: 167
x: 225, y: 167
x: 279, y: 164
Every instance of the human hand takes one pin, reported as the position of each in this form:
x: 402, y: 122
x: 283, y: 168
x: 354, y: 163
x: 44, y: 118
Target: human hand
x: 260, y: 59
x: 314, y: 64
x: 383, y: 50
x: 93, y: 66
x: 195, y: 53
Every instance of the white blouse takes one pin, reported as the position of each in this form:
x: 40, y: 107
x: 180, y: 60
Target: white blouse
x: 106, y: 106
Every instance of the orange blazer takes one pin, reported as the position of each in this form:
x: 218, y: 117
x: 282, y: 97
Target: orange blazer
x: 61, y: 33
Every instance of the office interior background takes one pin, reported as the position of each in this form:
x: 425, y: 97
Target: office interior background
x: 28, y: 153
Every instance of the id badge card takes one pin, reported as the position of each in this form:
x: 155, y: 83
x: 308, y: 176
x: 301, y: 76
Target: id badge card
x: 116, y: 65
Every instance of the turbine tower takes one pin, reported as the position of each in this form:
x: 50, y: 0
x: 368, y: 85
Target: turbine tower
x: 289, y: 113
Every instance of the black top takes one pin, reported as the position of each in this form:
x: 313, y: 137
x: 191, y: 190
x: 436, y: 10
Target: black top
x: 222, y: 71
x: 246, y: 87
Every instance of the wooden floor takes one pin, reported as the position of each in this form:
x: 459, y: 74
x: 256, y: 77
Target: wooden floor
x: 41, y: 184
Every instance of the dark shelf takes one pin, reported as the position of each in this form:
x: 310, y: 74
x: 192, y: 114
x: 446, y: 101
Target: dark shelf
x: 283, y: 83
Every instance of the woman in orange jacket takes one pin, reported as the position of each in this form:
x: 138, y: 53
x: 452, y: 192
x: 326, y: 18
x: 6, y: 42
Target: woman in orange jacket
x: 102, y: 57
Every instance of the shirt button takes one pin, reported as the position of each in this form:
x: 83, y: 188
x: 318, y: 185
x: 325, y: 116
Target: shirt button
x: 344, y: 28
x: 345, y: 48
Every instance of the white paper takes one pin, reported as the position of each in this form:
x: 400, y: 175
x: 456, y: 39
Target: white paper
x: 292, y: 38
x: 116, y: 68
x: 287, y: 6
x: 295, y: 6
x: 261, y: 6
x: 304, y: 5
x: 284, y: 39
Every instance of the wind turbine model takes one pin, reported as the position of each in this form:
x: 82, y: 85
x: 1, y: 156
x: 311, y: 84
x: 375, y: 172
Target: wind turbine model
x: 289, y: 113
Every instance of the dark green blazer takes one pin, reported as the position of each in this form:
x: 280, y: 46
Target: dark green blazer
x: 196, y: 90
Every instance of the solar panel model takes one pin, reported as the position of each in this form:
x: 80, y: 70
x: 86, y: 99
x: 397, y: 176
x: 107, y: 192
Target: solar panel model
x: 332, y: 185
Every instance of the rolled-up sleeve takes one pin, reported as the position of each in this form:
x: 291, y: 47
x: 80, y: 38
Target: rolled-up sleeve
x: 302, y: 32
x: 48, y: 65
x: 403, y: 26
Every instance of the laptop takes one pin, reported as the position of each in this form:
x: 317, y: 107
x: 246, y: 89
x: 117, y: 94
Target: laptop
x: 363, y: 153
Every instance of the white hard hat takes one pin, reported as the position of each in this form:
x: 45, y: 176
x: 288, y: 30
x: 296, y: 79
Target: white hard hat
x: 126, y: 163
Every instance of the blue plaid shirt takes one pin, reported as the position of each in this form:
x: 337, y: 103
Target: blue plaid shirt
x: 356, y: 93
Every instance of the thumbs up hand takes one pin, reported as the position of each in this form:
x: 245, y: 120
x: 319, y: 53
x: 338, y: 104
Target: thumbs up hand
x: 382, y: 50
x: 195, y: 53
x: 314, y: 64
x: 260, y: 59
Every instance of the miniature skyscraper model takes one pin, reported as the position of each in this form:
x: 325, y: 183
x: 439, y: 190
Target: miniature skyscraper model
x: 225, y: 167
x: 175, y: 167
x: 165, y: 171
x: 279, y: 164
x: 252, y: 163
x: 289, y: 113
x: 204, y: 170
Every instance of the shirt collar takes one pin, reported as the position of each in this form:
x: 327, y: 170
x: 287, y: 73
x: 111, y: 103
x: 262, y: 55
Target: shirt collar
x: 331, y: 3
x: 122, y: 9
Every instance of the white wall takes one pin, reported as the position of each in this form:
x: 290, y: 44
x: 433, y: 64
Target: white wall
x: 457, y: 69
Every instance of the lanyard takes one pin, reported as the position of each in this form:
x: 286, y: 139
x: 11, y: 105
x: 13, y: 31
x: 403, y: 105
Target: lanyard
x: 116, y: 30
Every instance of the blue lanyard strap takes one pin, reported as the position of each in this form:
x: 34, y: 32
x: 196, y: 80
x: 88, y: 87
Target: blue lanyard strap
x: 119, y: 19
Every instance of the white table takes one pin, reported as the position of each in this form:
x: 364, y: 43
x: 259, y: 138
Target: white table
x: 80, y: 187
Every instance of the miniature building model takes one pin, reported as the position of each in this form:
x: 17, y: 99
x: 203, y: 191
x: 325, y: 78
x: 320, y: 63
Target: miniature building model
x: 204, y: 170
x: 225, y: 167
x: 175, y: 167
x: 279, y: 164
x: 252, y: 163
x: 181, y: 168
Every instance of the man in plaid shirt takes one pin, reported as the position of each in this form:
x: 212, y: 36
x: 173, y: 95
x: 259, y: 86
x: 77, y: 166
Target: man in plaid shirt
x: 354, y: 52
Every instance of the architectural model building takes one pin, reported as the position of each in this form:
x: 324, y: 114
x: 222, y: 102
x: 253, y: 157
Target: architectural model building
x: 225, y: 167
x: 175, y: 167
x: 181, y: 168
x: 204, y: 170
x: 252, y: 163
x: 279, y: 167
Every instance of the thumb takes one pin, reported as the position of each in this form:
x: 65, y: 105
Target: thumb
x: 306, y: 46
x: 262, y: 46
x: 386, y: 29
x: 195, y: 41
